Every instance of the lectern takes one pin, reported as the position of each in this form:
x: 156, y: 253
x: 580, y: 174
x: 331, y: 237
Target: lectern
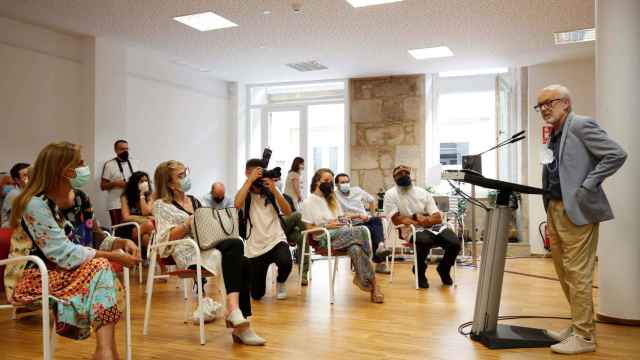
x: 485, y: 328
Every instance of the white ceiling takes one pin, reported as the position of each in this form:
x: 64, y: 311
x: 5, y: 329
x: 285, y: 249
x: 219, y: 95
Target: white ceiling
x: 350, y: 41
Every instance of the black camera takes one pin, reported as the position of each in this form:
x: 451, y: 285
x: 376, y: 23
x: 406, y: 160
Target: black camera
x: 267, y: 174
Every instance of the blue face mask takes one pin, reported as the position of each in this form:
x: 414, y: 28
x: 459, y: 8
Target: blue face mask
x: 83, y: 175
x: 7, y: 189
x: 185, y: 184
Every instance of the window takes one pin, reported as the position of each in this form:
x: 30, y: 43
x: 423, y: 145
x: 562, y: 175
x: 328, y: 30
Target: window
x: 297, y: 119
x: 467, y: 121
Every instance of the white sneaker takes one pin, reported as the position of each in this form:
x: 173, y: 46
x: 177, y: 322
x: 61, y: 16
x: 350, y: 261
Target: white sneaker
x: 574, y: 344
x: 281, y: 291
x: 209, y: 309
x: 560, y: 335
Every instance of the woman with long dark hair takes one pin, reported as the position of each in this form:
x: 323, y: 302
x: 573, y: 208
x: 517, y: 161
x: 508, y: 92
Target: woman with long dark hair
x: 137, y: 203
x: 294, y: 182
x: 321, y: 209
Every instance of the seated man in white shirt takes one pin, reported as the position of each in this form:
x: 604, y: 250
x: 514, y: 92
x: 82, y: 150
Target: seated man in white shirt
x: 407, y: 204
x: 353, y: 199
x: 216, y: 198
x: 262, y: 206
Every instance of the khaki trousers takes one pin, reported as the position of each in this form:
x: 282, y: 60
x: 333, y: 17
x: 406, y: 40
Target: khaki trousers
x: 573, y: 249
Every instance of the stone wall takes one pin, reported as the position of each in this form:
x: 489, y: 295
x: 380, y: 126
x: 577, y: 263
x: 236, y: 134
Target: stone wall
x: 387, y: 128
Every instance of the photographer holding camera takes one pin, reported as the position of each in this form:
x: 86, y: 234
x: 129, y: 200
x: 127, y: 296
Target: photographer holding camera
x: 262, y: 206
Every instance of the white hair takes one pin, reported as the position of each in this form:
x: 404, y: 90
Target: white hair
x: 560, y: 89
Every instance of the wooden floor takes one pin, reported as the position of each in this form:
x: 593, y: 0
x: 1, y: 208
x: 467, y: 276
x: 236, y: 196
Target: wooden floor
x: 409, y: 325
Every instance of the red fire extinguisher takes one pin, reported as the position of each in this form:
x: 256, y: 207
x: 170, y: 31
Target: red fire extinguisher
x: 544, y: 234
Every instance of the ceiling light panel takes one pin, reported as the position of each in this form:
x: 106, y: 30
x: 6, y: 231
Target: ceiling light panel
x: 205, y: 21
x: 431, y: 53
x: 363, y: 3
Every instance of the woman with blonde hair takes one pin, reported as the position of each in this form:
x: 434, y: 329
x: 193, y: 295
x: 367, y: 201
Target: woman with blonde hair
x: 321, y: 209
x: 81, y: 281
x: 173, y: 210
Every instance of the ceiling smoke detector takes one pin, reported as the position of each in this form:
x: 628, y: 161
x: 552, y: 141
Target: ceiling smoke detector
x: 307, y: 66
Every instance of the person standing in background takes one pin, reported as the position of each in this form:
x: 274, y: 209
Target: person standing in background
x: 115, y: 174
x: 294, y: 182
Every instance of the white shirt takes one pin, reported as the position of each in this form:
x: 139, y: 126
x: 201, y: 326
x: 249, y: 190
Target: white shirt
x: 207, y: 201
x: 355, y: 201
x: 415, y: 200
x: 5, y: 214
x: 315, y: 210
x: 265, y: 231
x: 289, y: 187
x: 111, y: 171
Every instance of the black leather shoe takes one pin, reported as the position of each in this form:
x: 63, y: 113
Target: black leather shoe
x: 423, y: 283
x: 445, y: 276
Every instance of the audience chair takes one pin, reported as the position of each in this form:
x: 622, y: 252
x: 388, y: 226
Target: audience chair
x: 412, y: 244
x: 139, y: 241
x: 184, y: 274
x: 329, y: 254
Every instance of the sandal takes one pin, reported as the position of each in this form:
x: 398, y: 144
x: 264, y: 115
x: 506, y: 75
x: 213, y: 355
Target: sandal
x: 377, y: 297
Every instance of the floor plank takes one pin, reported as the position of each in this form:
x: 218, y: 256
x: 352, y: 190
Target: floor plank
x: 409, y: 325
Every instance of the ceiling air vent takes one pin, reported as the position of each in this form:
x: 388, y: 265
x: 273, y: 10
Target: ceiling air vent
x: 307, y: 66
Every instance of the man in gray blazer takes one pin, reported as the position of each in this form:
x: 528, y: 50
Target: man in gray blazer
x: 579, y: 157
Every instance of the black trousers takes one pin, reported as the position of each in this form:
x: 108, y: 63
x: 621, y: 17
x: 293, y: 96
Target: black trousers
x: 447, y: 240
x: 235, y: 271
x: 281, y: 256
x: 374, y: 224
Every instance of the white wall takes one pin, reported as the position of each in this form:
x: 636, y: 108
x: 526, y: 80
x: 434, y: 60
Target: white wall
x: 579, y: 77
x: 165, y: 111
x: 93, y: 91
x: 40, y: 90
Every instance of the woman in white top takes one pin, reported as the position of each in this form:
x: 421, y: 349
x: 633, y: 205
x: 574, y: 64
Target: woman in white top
x: 173, y: 211
x: 293, y: 183
x: 321, y: 209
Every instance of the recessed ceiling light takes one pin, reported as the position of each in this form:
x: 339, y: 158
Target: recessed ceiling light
x: 266, y: 12
x: 205, y: 21
x: 473, y: 72
x: 363, y: 3
x: 576, y: 36
x: 431, y: 53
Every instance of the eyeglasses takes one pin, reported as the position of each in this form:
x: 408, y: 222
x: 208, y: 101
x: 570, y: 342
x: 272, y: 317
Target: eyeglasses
x: 184, y: 173
x: 545, y: 105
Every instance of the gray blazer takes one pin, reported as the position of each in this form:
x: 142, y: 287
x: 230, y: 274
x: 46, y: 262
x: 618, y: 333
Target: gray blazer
x: 587, y: 156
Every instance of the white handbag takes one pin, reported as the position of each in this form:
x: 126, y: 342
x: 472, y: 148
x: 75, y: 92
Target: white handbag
x: 211, y: 226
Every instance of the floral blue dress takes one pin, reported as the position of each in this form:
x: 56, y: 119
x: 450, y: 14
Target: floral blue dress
x: 84, y: 289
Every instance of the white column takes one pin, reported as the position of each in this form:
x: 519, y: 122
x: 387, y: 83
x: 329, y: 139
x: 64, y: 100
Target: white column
x: 618, y: 111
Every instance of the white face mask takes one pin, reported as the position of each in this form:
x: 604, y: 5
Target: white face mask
x: 344, y: 187
x: 143, y: 186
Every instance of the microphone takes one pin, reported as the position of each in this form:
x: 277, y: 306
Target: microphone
x: 519, y: 136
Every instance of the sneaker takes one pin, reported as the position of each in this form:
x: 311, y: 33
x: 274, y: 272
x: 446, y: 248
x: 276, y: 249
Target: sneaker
x: 382, y: 252
x: 381, y: 268
x: 574, y: 344
x: 281, y: 291
x: 445, y: 276
x: 209, y: 309
x: 560, y: 335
